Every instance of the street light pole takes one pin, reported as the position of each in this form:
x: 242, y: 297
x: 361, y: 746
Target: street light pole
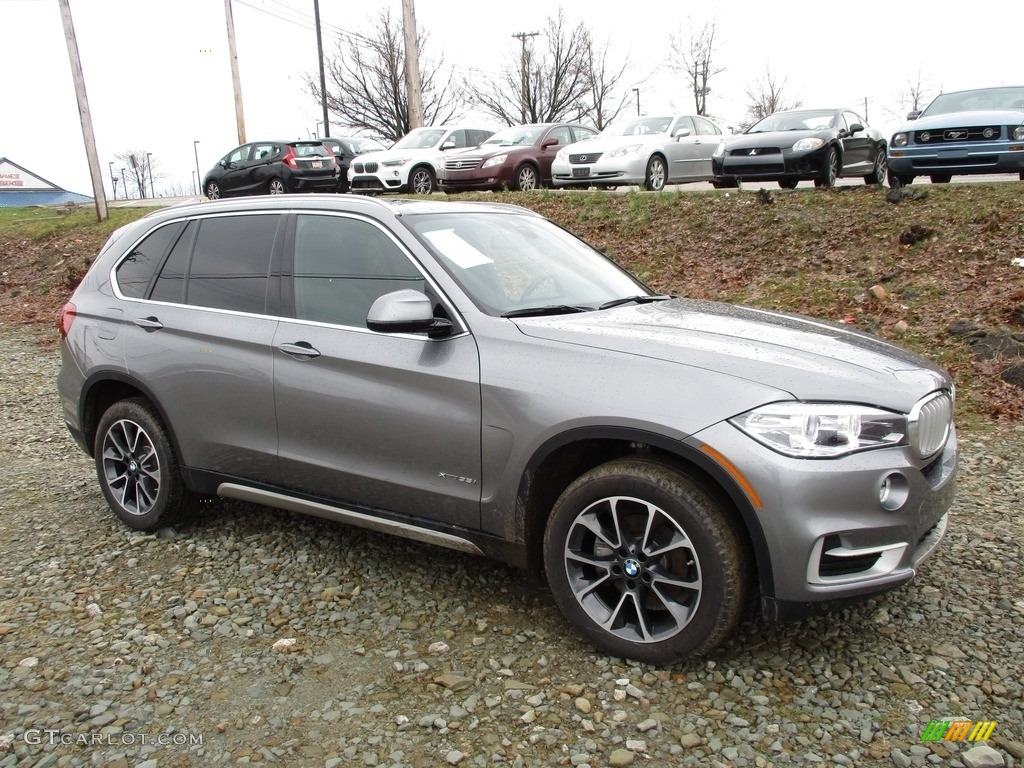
x: 195, y: 186
x: 123, y: 185
x: 637, y: 92
x: 149, y: 165
x: 113, y: 181
x: 195, y: 144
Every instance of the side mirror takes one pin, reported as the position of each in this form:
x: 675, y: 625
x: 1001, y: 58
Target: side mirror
x: 680, y: 133
x: 549, y: 143
x: 856, y: 128
x: 223, y: 163
x: 914, y: 114
x: 406, y: 311
x: 448, y: 145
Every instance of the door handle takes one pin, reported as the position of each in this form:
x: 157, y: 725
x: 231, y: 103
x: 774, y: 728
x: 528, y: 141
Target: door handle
x: 148, y: 323
x: 300, y: 350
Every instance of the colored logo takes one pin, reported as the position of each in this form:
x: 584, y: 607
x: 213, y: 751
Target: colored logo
x: 958, y: 730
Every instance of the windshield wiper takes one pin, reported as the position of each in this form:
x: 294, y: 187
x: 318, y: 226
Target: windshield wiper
x: 641, y: 299
x: 550, y: 309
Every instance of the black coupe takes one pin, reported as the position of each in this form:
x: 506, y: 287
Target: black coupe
x: 818, y: 145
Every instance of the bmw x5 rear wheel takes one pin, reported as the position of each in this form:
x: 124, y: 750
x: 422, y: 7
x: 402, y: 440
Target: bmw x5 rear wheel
x: 645, y: 562
x: 137, y: 468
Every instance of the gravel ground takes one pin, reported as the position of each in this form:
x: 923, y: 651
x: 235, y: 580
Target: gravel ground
x: 253, y: 636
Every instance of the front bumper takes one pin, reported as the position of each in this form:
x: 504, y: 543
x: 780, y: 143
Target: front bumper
x: 828, y: 538
x: 958, y: 159
x: 616, y: 170
x: 785, y: 164
x: 495, y: 178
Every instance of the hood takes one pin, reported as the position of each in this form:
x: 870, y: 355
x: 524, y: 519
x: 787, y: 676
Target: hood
x: 484, y: 153
x: 812, y: 360
x: 978, y: 117
x: 381, y: 155
x: 608, y: 143
x: 770, y: 138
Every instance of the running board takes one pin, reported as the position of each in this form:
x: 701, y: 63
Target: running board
x: 382, y: 525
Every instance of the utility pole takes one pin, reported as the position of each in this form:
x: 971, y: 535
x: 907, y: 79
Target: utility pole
x: 83, y: 112
x: 199, y: 175
x: 412, y: 66
x: 149, y: 165
x: 637, y: 92
x: 235, y: 79
x: 866, y: 111
x: 320, y: 58
x: 124, y: 185
x: 113, y: 179
x: 524, y: 72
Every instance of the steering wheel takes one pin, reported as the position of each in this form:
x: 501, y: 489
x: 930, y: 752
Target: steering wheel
x: 536, y: 283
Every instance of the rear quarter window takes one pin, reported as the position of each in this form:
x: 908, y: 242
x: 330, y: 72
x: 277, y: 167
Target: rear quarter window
x: 136, y: 271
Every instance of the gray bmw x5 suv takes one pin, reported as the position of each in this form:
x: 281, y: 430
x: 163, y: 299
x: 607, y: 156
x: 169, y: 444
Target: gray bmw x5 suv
x: 474, y: 376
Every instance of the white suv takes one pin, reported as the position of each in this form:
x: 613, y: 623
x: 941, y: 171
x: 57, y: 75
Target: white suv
x: 411, y: 164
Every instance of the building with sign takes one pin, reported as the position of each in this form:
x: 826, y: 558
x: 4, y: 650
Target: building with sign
x: 19, y: 187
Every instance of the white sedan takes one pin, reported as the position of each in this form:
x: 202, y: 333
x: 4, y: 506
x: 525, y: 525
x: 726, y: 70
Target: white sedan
x: 652, y: 151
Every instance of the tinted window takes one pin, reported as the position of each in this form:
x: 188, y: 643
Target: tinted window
x: 264, y: 151
x: 170, y: 286
x: 458, y: 138
x: 136, y: 271
x: 562, y: 134
x: 231, y: 263
x: 342, y: 266
x: 239, y: 155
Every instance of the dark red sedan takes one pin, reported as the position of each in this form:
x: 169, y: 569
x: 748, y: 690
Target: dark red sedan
x: 517, y: 158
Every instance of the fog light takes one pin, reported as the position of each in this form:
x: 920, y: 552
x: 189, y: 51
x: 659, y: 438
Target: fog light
x: 893, y: 492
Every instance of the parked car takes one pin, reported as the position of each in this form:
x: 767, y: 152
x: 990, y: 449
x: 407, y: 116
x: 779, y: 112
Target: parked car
x: 273, y: 168
x: 410, y: 165
x: 346, y: 148
x: 517, y: 158
x: 818, y: 145
x: 475, y: 376
x: 652, y: 151
x: 961, y: 133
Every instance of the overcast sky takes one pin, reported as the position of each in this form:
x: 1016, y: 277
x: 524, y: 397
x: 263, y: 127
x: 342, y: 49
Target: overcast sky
x: 158, y: 75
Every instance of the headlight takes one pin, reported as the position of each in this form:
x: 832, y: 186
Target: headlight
x: 562, y: 154
x: 901, y: 140
x: 632, y: 149
x: 496, y: 160
x: 396, y: 161
x: 822, y: 430
x: 806, y: 145
x: 720, y: 149
x: 1018, y: 133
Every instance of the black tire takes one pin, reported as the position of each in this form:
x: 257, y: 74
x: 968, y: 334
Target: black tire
x: 879, y: 171
x: 213, y: 190
x: 829, y: 170
x: 940, y: 178
x: 421, y: 181
x: 896, y: 180
x: 137, y: 467
x: 1021, y: 175
x: 656, y: 174
x: 276, y: 187
x: 788, y: 183
x: 661, y: 511
x: 527, y: 179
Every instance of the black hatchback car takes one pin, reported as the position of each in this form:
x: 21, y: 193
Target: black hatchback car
x: 273, y: 168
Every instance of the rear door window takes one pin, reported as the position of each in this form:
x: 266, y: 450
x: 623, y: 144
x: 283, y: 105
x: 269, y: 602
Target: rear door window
x: 230, y: 267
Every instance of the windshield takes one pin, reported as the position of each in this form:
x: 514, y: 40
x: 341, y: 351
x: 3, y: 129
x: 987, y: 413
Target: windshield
x: 507, y: 262
x: 804, y: 120
x: 983, y: 98
x: 421, y: 138
x: 642, y: 126
x: 362, y: 146
x: 517, y: 136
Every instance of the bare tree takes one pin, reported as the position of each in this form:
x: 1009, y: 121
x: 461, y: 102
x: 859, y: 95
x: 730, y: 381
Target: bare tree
x: 543, y: 87
x: 602, y: 106
x: 366, y: 83
x: 694, y: 59
x: 141, y: 171
x: 915, y: 97
x: 768, y: 96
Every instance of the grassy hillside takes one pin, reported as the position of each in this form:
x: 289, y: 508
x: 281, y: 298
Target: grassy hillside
x: 908, y: 271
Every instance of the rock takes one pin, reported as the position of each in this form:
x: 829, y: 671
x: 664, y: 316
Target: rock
x: 982, y: 757
x: 878, y: 292
x: 647, y: 725
x: 902, y: 326
x: 1013, y: 374
x: 620, y: 758
x: 915, y: 233
x: 1015, y: 748
x: 454, y: 757
x: 454, y: 682
x: 583, y: 705
x: 438, y: 648
x: 690, y: 740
